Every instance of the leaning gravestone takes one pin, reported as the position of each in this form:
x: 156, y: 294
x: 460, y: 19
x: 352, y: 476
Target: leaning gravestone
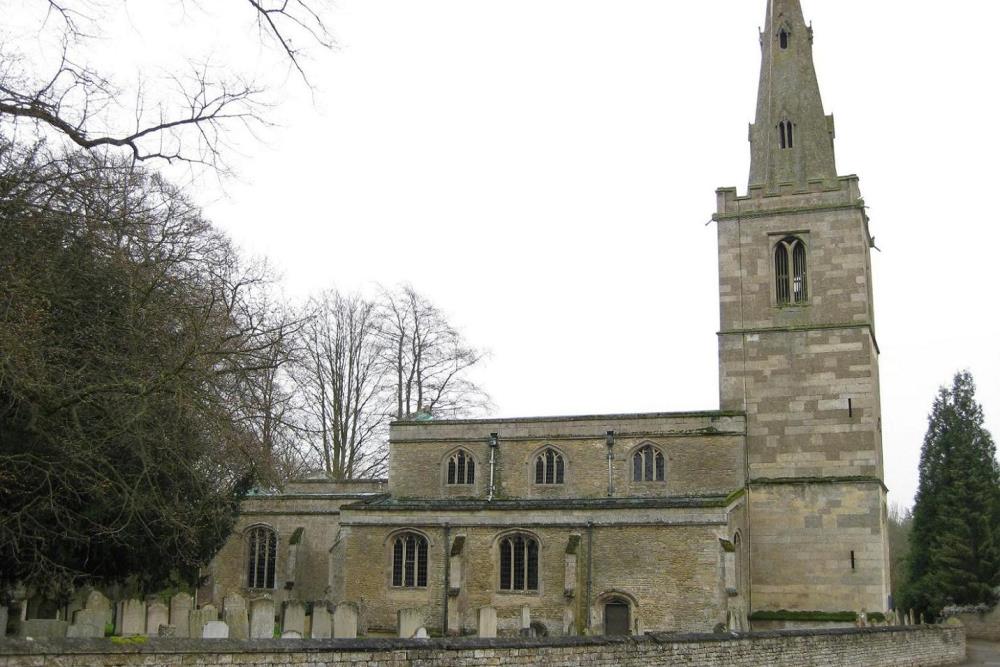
x: 262, y: 618
x: 180, y: 614
x: 345, y: 621
x: 157, y: 614
x: 234, y: 613
x: 408, y: 621
x: 293, y: 618
x: 133, y: 617
x: 216, y: 630
x: 487, y: 622
x: 322, y: 623
x: 201, y: 617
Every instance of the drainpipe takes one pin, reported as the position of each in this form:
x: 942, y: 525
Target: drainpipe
x: 494, y: 441
x: 590, y: 568
x: 447, y: 578
x: 610, y: 441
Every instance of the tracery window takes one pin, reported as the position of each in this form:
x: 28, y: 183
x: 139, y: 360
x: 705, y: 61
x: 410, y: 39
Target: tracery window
x: 409, y: 561
x: 648, y: 465
x: 262, y: 549
x: 791, y: 282
x: 519, y: 563
x: 461, y: 468
x: 786, y: 134
x: 550, y: 468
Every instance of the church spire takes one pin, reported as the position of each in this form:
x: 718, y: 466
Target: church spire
x: 791, y: 140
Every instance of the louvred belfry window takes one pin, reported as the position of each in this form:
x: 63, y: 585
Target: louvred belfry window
x: 791, y: 285
x: 262, y: 549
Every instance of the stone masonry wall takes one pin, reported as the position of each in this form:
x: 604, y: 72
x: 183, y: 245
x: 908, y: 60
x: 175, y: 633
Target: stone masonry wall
x: 875, y: 647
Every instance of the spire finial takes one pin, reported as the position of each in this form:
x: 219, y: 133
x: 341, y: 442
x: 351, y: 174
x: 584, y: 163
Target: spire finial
x: 791, y: 139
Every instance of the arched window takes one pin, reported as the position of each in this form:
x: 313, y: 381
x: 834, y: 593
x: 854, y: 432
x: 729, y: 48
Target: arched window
x: 461, y: 468
x: 790, y: 278
x: 409, y: 561
x: 648, y: 465
x: 786, y: 134
x: 262, y: 550
x: 519, y: 563
x: 783, y: 38
x: 550, y: 467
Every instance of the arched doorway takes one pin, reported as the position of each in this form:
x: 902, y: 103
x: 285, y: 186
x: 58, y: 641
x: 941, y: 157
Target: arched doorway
x: 617, y: 620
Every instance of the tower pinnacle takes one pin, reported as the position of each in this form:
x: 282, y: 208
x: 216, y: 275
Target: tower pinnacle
x: 791, y: 140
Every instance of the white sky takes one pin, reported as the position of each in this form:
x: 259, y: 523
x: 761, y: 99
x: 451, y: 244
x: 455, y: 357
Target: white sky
x: 544, y: 169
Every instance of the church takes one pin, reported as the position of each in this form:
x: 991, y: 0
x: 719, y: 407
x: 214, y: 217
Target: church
x: 629, y: 523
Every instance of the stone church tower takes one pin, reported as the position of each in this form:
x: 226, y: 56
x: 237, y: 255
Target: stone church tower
x: 797, y: 347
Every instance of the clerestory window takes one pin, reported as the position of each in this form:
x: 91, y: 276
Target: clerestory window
x: 519, y: 563
x: 461, y: 468
x: 648, y: 465
x: 550, y: 468
x: 262, y: 550
x: 790, y: 272
x: 409, y: 561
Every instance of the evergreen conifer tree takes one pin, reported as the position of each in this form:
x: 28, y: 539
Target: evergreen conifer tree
x: 955, y: 541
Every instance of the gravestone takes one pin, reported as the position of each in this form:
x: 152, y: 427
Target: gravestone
x: 198, y: 618
x: 293, y: 617
x: 157, y: 614
x: 133, y: 617
x: 3, y: 621
x: 322, y: 622
x: 569, y: 622
x: 98, y: 604
x: 421, y: 633
x: 525, y: 618
x: 408, y: 621
x: 291, y: 634
x: 38, y: 628
x: 216, y: 630
x: 166, y: 631
x: 345, y: 621
x: 80, y: 630
x: 180, y: 614
x: 487, y: 622
x: 94, y: 617
x: 262, y: 618
x: 234, y: 613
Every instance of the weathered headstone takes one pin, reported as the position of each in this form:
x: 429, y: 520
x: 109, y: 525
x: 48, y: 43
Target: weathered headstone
x: 345, y: 621
x: 180, y: 614
x: 78, y: 630
x: 322, y: 622
x: 487, y: 622
x: 525, y: 617
x: 408, y: 621
x: 421, y: 633
x: 198, y: 618
x: 133, y: 617
x: 43, y: 628
x: 262, y: 618
x: 569, y: 622
x: 97, y: 603
x: 157, y: 614
x: 293, y: 617
x: 291, y: 634
x: 3, y: 620
x: 234, y: 613
x: 216, y: 630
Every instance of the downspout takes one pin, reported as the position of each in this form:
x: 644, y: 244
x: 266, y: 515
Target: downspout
x: 494, y: 441
x: 447, y: 578
x: 590, y: 568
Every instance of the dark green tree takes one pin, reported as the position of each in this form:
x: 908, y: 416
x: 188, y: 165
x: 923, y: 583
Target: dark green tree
x: 133, y: 346
x: 955, y: 540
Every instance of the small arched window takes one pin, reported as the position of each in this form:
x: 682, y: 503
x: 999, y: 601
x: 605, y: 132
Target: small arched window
x: 461, y: 468
x: 786, y: 134
x: 519, y: 563
x: 791, y: 284
x: 550, y: 468
x: 648, y: 465
x: 262, y: 550
x: 783, y: 38
x: 409, y: 561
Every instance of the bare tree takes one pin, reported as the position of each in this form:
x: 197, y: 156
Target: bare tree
x: 429, y: 359
x: 342, y: 377
x: 188, y: 123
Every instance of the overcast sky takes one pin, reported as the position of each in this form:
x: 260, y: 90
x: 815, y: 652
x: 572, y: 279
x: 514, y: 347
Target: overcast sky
x: 544, y: 169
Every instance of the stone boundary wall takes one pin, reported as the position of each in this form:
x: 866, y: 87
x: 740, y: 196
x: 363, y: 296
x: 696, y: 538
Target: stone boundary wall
x: 981, y: 625
x: 872, y: 647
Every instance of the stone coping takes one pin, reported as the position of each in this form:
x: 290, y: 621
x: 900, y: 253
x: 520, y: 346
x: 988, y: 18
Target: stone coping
x: 153, y: 645
x: 573, y: 418
x: 390, y: 504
